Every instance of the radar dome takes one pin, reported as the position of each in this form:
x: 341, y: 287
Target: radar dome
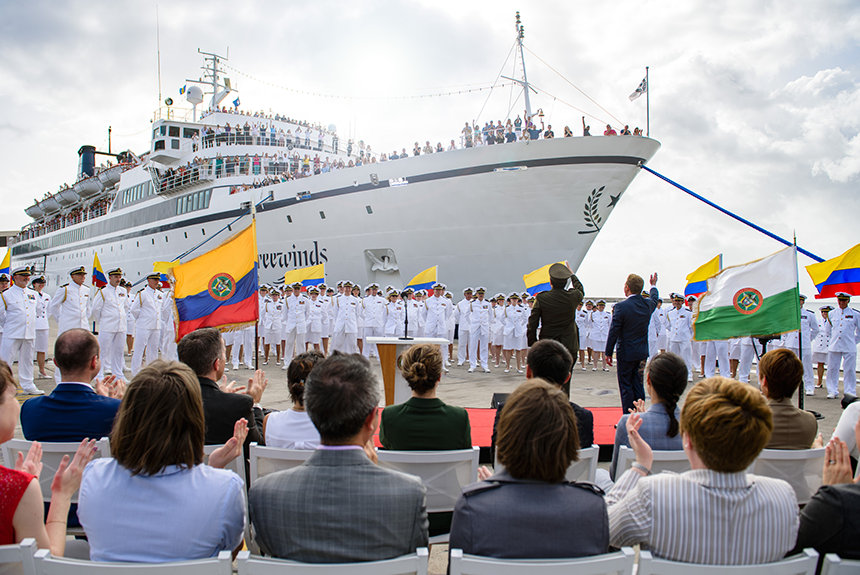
x: 194, y: 95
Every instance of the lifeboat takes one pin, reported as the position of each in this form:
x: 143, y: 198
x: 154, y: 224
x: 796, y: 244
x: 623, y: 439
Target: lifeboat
x: 67, y: 197
x: 49, y: 205
x: 110, y: 176
x: 89, y: 187
x: 35, y: 211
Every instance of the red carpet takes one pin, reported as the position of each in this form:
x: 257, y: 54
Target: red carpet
x: 481, y: 420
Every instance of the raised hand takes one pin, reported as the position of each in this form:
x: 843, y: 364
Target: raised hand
x: 257, y: 385
x: 837, y: 463
x: 32, y: 464
x: 67, y: 480
x: 232, y: 449
x: 641, y: 449
x: 230, y: 387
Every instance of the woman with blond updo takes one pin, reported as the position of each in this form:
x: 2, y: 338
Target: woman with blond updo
x: 424, y: 422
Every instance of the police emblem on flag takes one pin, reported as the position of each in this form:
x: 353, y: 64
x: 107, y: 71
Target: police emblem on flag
x: 747, y: 300
x: 222, y: 286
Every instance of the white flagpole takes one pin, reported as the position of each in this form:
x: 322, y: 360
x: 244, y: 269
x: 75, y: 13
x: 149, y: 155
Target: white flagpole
x: 647, y: 104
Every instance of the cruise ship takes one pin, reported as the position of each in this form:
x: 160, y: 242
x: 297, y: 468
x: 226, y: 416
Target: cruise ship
x: 485, y: 215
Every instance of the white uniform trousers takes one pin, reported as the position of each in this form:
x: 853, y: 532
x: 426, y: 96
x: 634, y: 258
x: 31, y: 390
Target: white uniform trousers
x: 478, y: 341
x: 684, y: 349
x: 849, y: 372
x: 653, y: 347
x: 12, y: 349
x: 806, y: 360
x: 167, y: 345
x: 344, y: 342
x: 717, y: 352
x: 370, y: 350
x: 111, y: 347
x: 462, y: 344
x: 144, y: 340
x: 745, y: 362
x: 244, y: 338
x: 294, y: 345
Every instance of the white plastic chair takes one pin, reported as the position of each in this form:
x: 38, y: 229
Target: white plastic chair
x: 583, y: 470
x: 237, y: 466
x: 52, y: 454
x: 444, y: 473
x: 675, y: 461
x: 802, y: 468
x: 618, y: 563
x: 266, y: 460
x: 48, y: 565
x: 412, y: 564
x: 836, y: 565
x: 803, y: 563
x: 18, y: 557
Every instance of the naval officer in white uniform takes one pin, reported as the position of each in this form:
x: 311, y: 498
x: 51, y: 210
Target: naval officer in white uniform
x: 462, y: 315
x: 808, y: 332
x: 844, y: 334
x: 71, y: 306
x: 109, y: 309
x: 18, y: 318
x: 480, y: 312
x: 146, y: 307
x: 680, y: 332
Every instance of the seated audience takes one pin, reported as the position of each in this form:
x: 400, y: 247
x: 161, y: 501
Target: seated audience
x: 701, y: 515
x: 779, y: 374
x: 528, y: 510
x: 665, y: 381
x: 74, y: 410
x: 21, y: 511
x: 549, y: 360
x: 155, y: 501
x: 828, y: 522
x: 424, y: 422
x: 292, y: 428
x: 339, y: 506
x: 203, y: 350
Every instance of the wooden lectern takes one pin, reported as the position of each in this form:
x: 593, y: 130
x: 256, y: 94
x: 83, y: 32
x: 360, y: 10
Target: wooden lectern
x: 390, y: 348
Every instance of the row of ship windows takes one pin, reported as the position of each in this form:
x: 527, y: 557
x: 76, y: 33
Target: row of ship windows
x: 85, y: 253
x: 136, y: 193
x: 322, y: 214
x: 197, y: 201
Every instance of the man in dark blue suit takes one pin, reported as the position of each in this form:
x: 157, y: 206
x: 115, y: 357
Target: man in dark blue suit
x: 629, y: 329
x: 73, y: 411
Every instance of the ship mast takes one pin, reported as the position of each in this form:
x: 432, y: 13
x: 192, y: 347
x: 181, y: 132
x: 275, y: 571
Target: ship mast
x: 212, y: 78
x: 525, y: 81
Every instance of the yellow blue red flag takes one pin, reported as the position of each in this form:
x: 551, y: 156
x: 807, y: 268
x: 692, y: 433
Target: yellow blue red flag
x: 697, y: 281
x: 219, y: 288
x: 840, y: 274
x: 309, y: 276
x: 6, y: 266
x: 99, y: 278
x: 538, y: 280
x: 423, y: 280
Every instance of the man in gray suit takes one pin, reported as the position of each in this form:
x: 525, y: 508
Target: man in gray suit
x: 339, y: 506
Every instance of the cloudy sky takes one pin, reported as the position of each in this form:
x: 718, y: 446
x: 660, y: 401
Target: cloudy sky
x: 756, y: 103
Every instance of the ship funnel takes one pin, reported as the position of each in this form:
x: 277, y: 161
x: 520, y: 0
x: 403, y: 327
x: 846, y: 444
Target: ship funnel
x: 86, y: 161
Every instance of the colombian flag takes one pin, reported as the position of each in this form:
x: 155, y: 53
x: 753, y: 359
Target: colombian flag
x: 538, y: 280
x: 424, y: 280
x: 697, y: 282
x: 310, y: 276
x: 219, y: 288
x: 99, y: 278
x: 842, y: 273
x: 6, y: 266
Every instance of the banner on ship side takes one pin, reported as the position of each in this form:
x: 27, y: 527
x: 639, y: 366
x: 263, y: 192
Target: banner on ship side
x: 219, y: 288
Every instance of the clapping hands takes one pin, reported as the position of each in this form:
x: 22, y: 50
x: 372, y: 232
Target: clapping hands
x: 232, y: 449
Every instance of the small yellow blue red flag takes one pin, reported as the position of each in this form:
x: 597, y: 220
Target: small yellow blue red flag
x: 99, y: 278
x: 6, y: 266
x: 697, y: 281
x: 840, y: 274
x: 219, y: 288
x: 538, y: 280
x: 309, y: 276
x: 423, y: 280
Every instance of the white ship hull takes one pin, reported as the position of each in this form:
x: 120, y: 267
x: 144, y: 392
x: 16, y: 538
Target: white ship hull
x: 484, y: 215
